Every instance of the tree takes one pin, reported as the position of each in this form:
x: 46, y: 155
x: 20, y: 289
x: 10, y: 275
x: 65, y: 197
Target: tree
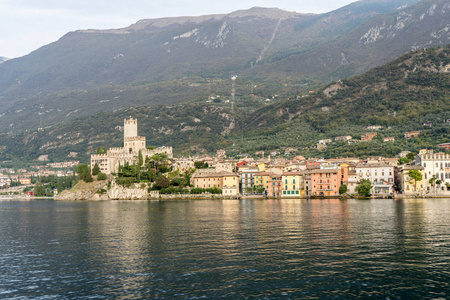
x: 157, y: 161
x: 101, y: 176
x: 342, y: 189
x: 410, y: 156
x: 95, y: 169
x: 101, y: 150
x: 260, y: 190
x: 438, y: 183
x: 200, y: 165
x: 432, y: 181
x: 188, y: 175
x: 151, y: 174
x: 140, y: 159
x: 81, y: 170
x: 39, y: 189
x: 364, y: 188
x: 162, y: 182
x: 403, y: 160
x: 178, y: 181
x: 88, y: 177
x: 59, y: 187
x: 415, y: 175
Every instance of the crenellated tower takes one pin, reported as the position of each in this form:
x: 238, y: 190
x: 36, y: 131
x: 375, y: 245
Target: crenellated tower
x: 129, y: 128
x: 131, y: 141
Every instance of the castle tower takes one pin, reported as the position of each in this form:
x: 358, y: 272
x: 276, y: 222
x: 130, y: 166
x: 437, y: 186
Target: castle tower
x: 129, y: 128
x: 131, y: 141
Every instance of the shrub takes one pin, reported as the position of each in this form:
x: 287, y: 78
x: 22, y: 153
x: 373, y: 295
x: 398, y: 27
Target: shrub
x: 343, y: 189
x: 197, y: 191
x: 125, y: 181
x: 364, y: 188
x: 178, y: 181
x: 162, y: 182
x: 101, y: 176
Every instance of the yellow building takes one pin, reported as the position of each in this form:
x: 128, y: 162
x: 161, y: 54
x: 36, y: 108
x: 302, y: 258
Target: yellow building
x: 262, y: 180
x: 207, y: 180
x: 230, y: 184
x: 292, y: 184
x: 407, y: 185
x: 262, y: 167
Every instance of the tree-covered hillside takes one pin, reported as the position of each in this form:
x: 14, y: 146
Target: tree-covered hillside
x: 410, y: 93
x: 400, y: 96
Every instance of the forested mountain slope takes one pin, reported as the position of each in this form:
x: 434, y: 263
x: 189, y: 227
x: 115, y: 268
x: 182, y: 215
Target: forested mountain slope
x: 400, y: 96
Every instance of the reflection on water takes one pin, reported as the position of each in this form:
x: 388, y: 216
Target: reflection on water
x: 235, y: 249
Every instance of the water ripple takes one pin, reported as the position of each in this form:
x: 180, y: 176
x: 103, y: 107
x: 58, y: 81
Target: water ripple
x: 289, y: 249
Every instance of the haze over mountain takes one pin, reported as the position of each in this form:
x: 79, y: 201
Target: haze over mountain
x: 3, y: 59
x: 174, y: 60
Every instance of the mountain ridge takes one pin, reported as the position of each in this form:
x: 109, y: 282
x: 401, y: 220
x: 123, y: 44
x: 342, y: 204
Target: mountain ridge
x: 84, y: 73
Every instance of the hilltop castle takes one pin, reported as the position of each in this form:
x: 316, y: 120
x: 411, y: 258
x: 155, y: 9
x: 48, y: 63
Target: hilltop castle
x: 132, y: 144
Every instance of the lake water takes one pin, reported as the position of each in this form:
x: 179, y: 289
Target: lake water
x: 253, y: 249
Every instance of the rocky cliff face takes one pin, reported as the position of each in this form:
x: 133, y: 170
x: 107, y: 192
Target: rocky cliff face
x: 135, y: 192
x: 98, y: 190
x: 84, y: 191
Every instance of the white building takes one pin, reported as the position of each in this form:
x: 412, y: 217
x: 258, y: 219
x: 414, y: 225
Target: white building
x: 437, y: 164
x: 352, y: 182
x: 5, y: 181
x: 380, y: 175
x: 183, y: 164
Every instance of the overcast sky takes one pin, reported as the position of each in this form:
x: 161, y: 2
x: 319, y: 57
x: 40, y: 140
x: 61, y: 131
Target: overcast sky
x: 26, y: 25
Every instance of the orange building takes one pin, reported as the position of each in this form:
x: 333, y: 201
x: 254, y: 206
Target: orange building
x: 275, y: 185
x: 327, y: 181
x: 25, y: 181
